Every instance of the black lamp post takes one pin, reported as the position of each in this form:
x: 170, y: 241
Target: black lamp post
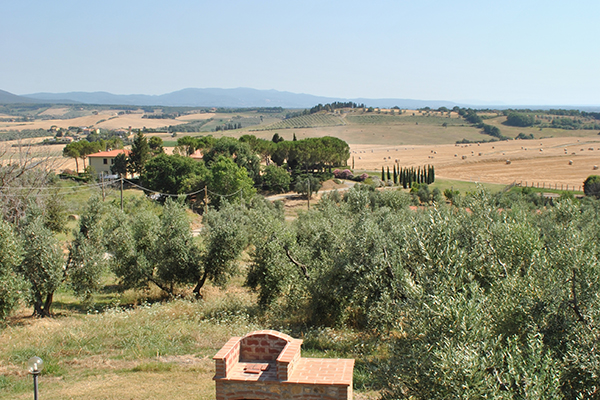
x: 35, y: 367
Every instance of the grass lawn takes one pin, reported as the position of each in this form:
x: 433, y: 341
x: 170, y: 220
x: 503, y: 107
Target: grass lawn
x: 464, y: 187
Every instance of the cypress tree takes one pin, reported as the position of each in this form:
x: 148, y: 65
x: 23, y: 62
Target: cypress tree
x: 429, y: 175
x: 382, y: 174
x: 395, y: 175
x: 389, y: 177
x: 402, y: 181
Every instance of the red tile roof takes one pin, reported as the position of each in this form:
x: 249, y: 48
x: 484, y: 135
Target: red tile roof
x: 112, y: 153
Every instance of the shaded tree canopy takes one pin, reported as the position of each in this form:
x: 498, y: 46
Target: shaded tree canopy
x: 518, y: 119
x: 312, y: 153
x: 240, y: 152
x: 174, y: 174
x: 228, y: 182
x: 591, y: 186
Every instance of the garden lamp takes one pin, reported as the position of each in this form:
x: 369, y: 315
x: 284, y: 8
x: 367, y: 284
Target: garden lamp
x: 35, y: 365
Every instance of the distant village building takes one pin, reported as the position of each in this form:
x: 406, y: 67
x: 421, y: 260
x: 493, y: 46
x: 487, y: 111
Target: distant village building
x: 103, y: 160
x: 197, y: 155
x: 86, y: 131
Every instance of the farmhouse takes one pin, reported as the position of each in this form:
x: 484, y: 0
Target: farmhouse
x: 103, y: 160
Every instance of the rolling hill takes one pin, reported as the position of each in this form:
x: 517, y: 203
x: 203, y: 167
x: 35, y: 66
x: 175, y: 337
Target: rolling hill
x: 9, y: 98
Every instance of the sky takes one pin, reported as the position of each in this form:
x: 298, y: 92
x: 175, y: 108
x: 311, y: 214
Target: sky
x: 500, y: 52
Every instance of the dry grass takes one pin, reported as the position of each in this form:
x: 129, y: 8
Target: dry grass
x: 152, y: 351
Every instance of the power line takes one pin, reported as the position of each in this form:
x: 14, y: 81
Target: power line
x: 182, y: 194
x: 160, y: 193
x: 56, y: 190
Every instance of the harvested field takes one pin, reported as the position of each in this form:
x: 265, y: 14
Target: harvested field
x: 195, y: 117
x: 545, y: 161
x: 56, y: 111
x: 106, y: 119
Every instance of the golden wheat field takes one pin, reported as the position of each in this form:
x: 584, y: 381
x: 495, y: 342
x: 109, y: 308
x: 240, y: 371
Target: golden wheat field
x: 549, y: 162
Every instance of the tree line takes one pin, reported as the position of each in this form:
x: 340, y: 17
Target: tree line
x: 329, y: 107
x: 228, y: 165
x: 229, y: 126
x: 407, y: 176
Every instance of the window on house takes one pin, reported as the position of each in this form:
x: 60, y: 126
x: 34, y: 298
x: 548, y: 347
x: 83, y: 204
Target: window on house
x: 112, y: 161
x: 105, y: 161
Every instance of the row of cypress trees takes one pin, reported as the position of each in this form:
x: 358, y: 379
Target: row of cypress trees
x: 407, y: 176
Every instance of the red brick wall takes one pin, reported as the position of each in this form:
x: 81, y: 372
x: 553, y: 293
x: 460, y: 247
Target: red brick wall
x: 261, y: 347
x: 227, y: 357
x: 272, y: 391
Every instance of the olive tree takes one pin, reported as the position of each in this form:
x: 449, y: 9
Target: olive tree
x: 42, y: 265
x: 225, y: 237
x: 154, y: 249
x: 86, y: 262
x: 11, y: 284
x: 477, y: 303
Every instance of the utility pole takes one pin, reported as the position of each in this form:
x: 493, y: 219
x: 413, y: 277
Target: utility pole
x: 102, y: 183
x: 205, y: 200
x: 308, y: 192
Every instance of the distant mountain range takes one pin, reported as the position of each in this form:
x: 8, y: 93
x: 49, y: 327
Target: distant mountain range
x: 234, y: 98
x: 213, y: 97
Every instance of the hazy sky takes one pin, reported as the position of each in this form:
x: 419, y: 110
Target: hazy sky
x: 509, y: 51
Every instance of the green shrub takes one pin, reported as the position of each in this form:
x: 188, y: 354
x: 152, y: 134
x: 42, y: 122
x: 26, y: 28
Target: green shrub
x: 591, y: 186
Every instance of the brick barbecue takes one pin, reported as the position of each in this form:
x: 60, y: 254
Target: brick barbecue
x: 266, y: 365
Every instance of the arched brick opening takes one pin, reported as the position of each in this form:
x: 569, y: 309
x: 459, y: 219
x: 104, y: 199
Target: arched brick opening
x: 263, y: 346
